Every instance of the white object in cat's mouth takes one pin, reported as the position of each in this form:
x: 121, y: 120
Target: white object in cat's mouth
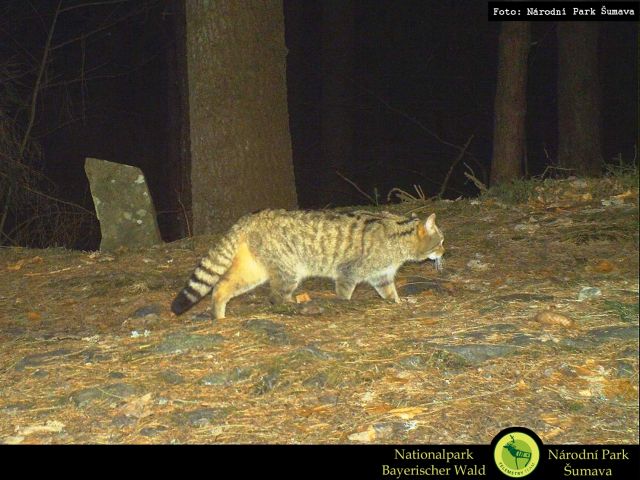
x: 439, y: 263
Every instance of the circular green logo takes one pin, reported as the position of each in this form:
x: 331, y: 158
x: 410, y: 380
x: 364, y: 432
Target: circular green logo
x: 516, y: 454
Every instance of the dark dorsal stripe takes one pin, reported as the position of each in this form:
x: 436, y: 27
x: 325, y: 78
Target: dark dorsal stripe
x: 407, y: 220
x: 403, y: 233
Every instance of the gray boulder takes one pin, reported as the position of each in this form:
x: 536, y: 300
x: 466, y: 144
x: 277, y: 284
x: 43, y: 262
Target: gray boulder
x: 123, y: 205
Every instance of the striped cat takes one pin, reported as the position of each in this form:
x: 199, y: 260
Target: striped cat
x: 285, y: 247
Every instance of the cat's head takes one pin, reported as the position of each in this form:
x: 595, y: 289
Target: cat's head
x: 429, y: 241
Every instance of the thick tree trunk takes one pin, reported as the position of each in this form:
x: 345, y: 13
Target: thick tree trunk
x: 509, y: 134
x: 240, y: 142
x: 337, y: 74
x: 579, y: 146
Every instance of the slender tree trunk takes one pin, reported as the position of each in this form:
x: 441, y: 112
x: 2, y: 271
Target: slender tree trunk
x: 304, y: 91
x: 336, y: 126
x: 240, y: 142
x: 178, y: 167
x: 509, y: 134
x: 579, y: 133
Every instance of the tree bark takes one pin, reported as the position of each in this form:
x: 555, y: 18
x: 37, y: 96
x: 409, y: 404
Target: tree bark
x: 239, y: 121
x: 579, y: 135
x: 509, y: 133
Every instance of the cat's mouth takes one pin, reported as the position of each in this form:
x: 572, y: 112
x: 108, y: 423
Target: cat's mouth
x: 437, y: 257
x: 439, y: 264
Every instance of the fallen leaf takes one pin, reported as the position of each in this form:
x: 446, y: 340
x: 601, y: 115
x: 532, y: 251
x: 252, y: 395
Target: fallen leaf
x: 51, y: 426
x: 378, y: 409
x: 16, y: 266
x: 303, y: 298
x: 604, y: 266
x: 305, y: 412
x: 318, y: 425
x: 550, y: 419
x: 622, y: 388
x: 553, y: 433
x: 138, y: 407
x: 556, y: 421
x: 521, y: 386
x: 368, y: 435
x: 33, y: 316
x: 13, y: 440
x: 406, y: 413
x: 450, y: 287
x: 308, y: 411
x: 547, y: 317
x: 583, y: 371
x: 323, y: 408
x: 624, y: 195
x: 557, y: 377
x: 25, y: 261
x: 424, y: 321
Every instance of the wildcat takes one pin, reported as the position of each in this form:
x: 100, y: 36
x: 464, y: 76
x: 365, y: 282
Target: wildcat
x: 284, y: 247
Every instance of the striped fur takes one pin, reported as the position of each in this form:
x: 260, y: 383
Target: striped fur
x: 285, y: 247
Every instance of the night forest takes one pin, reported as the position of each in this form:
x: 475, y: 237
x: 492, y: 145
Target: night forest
x: 379, y: 95
x: 470, y: 263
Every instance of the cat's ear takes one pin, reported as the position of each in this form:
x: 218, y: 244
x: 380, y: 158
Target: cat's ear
x: 430, y: 224
x: 428, y: 227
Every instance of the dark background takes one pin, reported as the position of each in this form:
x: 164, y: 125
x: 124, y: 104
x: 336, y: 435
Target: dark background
x: 420, y: 70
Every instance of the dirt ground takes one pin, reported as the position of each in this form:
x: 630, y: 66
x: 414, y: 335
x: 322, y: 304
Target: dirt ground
x: 533, y: 322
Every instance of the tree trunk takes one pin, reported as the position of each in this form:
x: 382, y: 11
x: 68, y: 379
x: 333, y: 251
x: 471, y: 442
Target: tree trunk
x: 509, y: 134
x: 239, y: 121
x: 579, y: 146
x: 178, y: 167
x: 337, y: 74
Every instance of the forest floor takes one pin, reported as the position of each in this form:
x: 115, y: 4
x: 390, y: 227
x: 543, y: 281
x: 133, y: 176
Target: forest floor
x: 533, y: 322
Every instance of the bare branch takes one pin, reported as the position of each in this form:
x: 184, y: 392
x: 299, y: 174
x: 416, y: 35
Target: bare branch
x: 455, y: 162
x: 104, y: 26
x: 92, y: 4
x: 411, y: 119
x: 18, y: 44
x: 88, y: 78
x: 58, y: 200
x: 369, y: 197
x: 481, y: 186
x: 36, y: 87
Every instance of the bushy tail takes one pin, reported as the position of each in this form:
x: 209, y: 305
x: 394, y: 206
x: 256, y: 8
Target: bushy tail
x: 204, y: 277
